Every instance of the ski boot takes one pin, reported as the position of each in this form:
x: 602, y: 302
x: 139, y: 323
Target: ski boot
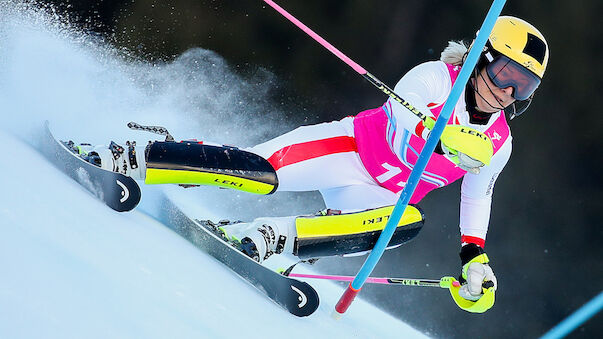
x: 258, y: 239
x: 113, y: 158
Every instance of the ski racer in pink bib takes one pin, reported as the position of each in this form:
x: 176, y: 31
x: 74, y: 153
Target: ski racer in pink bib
x: 361, y: 163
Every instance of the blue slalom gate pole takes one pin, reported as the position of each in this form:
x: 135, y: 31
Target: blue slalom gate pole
x: 415, y: 175
x: 576, y: 319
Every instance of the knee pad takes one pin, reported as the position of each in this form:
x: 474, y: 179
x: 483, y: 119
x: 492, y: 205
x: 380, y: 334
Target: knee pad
x: 352, y: 233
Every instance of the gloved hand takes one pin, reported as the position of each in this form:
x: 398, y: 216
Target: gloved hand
x: 466, y: 147
x: 476, y: 273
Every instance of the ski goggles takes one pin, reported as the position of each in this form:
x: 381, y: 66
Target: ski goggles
x: 504, y: 72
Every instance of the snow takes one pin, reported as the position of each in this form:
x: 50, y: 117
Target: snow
x: 70, y: 267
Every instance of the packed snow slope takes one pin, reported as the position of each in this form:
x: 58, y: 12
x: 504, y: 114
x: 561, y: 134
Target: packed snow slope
x: 73, y: 268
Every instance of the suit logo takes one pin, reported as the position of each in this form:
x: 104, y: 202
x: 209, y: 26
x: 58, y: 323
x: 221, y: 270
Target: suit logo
x: 495, y: 136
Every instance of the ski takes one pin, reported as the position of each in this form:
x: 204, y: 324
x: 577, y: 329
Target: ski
x: 118, y: 191
x: 297, y: 297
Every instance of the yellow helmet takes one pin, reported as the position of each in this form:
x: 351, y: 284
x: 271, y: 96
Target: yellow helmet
x: 516, y: 55
x: 520, y: 42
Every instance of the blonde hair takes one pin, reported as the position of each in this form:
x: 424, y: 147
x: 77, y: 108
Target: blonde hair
x: 454, y: 53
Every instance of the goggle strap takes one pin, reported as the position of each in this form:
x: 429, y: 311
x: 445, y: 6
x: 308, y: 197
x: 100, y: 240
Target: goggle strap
x: 517, y: 112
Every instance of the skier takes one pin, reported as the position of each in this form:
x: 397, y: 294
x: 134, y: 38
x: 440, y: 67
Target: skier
x: 360, y: 164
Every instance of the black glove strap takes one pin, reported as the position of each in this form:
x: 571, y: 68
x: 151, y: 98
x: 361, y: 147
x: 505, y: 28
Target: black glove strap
x: 469, y: 252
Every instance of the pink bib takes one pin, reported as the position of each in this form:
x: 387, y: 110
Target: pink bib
x: 390, y: 171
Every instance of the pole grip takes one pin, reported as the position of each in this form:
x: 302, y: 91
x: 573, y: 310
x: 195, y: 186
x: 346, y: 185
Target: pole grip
x: 346, y: 299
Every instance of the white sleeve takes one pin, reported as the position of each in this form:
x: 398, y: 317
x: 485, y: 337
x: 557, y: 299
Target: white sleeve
x: 476, y: 196
x: 426, y: 83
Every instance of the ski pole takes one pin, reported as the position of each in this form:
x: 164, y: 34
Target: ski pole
x: 480, y: 306
x: 359, y: 69
x: 442, y: 283
x: 415, y: 175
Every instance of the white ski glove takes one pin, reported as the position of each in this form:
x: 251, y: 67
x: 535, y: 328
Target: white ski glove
x: 466, y: 147
x: 476, y: 273
x: 462, y: 160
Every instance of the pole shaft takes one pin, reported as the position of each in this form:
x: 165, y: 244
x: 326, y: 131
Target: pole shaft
x: 317, y: 37
x: 385, y: 89
x: 373, y: 280
x: 346, y: 299
x: 576, y: 319
x: 359, y: 69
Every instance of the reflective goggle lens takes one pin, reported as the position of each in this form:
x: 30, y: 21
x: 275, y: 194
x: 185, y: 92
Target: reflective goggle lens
x: 505, y: 72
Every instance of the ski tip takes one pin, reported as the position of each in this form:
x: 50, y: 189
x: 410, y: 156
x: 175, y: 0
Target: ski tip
x: 304, y: 301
